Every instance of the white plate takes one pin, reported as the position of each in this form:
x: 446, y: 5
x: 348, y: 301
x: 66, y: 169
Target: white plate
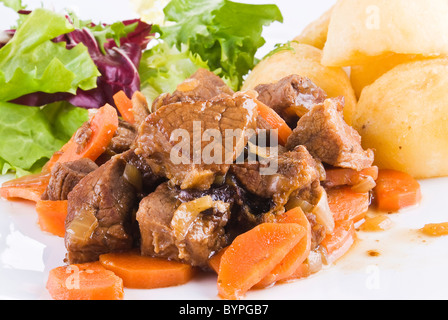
x: 410, y: 265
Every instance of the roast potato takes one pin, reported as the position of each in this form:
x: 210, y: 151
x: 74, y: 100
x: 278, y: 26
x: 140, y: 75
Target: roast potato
x: 315, y: 34
x: 365, y: 74
x: 403, y: 116
x: 359, y: 30
x: 304, y: 60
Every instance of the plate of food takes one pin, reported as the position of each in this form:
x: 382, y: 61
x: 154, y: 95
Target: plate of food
x: 223, y: 150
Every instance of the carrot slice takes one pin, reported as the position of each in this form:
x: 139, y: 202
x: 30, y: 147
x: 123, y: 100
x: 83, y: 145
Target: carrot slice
x: 340, y: 241
x: 253, y: 254
x: 215, y: 260
x: 342, y: 176
x: 302, y: 271
x: 346, y: 204
x: 88, y: 281
x: 296, y: 256
x: 275, y: 120
x: 124, y: 106
x: 29, y: 187
x: 142, y: 272
x: 396, y: 190
x: 51, y: 216
x: 104, y: 124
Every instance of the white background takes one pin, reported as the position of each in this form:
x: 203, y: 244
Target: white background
x: 410, y: 266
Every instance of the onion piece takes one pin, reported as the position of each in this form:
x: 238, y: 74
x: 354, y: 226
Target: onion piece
x: 187, y: 212
x: 323, y: 214
x: 364, y: 185
x: 133, y: 176
x: 82, y: 226
x: 315, y: 262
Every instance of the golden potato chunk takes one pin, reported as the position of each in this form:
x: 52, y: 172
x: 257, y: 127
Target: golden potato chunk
x: 365, y: 74
x: 359, y: 30
x: 403, y: 116
x: 315, y: 34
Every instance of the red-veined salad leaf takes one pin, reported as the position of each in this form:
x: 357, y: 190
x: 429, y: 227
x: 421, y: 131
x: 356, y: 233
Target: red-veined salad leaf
x: 48, y: 59
x: 115, y: 50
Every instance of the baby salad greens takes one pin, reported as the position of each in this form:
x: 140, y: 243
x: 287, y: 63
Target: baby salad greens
x: 55, y: 66
x: 226, y: 34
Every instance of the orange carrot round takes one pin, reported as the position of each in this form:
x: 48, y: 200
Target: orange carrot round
x: 30, y: 187
x: 51, y: 216
x: 88, y: 281
x: 124, y: 106
x: 340, y: 241
x: 103, y: 124
x: 343, y: 176
x: 142, y: 272
x: 346, y: 204
x: 297, y: 255
x: 302, y: 271
x: 396, y: 190
x: 253, y: 254
x: 275, y: 120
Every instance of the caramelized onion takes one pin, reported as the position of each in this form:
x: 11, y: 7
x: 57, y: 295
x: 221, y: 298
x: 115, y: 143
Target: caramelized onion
x: 365, y: 184
x: 133, y: 176
x: 324, y: 216
x: 82, y: 226
x: 187, y: 212
x: 314, y: 261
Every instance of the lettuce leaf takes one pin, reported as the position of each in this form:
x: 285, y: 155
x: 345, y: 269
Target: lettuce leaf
x: 223, y: 33
x: 163, y: 67
x: 30, y: 135
x: 31, y: 62
x: 16, y: 5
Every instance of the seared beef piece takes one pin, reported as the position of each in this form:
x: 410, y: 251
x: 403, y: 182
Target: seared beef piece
x: 291, y: 96
x: 295, y: 170
x: 123, y: 138
x: 329, y: 138
x: 202, y: 85
x: 100, y: 211
x: 82, y: 135
x: 169, y: 231
x: 65, y: 176
x: 187, y: 167
x: 146, y: 181
x: 140, y: 107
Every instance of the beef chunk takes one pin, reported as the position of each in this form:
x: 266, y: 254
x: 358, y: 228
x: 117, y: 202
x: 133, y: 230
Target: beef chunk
x: 291, y: 97
x: 140, y: 173
x: 123, y: 138
x: 140, y: 107
x: 202, y: 85
x: 65, y: 176
x: 229, y: 117
x: 172, y: 228
x: 100, y: 210
x: 329, y: 138
x: 295, y: 170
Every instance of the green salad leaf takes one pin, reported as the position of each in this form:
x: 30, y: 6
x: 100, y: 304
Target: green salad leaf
x: 16, y: 5
x: 163, y: 67
x: 223, y: 33
x: 30, y: 62
x: 30, y: 135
